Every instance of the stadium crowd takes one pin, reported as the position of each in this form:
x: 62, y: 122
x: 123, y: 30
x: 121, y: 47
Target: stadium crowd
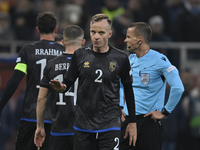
x: 171, y: 20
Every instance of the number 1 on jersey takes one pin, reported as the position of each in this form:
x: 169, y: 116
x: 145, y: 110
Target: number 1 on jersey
x: 43, y: 63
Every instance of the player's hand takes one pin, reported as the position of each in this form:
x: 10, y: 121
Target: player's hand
x: 57, y: 85
x: 155, y: 115
x: 131, y: 131
x: 123, y: 116
x: 39, y: 137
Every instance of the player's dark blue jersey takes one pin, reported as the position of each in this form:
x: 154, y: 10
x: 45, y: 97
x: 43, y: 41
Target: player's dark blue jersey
x: 62, y: 104
x: 97, y: 107
x: 35, y: 56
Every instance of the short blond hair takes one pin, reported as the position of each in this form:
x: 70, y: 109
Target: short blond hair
x: 99, y: 17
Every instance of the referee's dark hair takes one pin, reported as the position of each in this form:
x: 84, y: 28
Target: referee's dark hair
x: 46, y: 22
x: 142, y: 29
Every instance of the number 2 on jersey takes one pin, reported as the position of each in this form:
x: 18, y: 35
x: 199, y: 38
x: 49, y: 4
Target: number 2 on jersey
x: 100, y: 73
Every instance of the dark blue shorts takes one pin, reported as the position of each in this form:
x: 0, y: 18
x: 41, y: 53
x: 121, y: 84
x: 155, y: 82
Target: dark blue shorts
x: 25, y: 136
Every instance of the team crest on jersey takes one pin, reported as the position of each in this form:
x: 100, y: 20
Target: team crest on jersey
x: 145, y: 78
x: 86, y: 64
x: 112, y: 66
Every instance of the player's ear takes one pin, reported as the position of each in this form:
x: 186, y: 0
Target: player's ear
x: 141, y: 40
x: 56, y: 29
x: 37, y: 29
x: 110, y: 33
x: 83, y: 42
x: 63, y: 42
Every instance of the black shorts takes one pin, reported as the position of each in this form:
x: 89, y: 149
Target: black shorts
x: 25, y: 136
x: 97, y: 141
x: 149, y: 134
x: 61, y: 142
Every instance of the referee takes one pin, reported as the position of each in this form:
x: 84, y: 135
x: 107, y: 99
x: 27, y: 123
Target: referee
x: 151, y: 71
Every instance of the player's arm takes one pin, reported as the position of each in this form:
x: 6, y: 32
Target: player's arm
x: 40, y: 111
x: 126, y: 79
x: 12, y: 84
x: 131, y: 129
x: 69, y: 78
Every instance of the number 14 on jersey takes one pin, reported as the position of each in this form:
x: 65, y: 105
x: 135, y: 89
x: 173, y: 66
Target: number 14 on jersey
x: 70, y: 92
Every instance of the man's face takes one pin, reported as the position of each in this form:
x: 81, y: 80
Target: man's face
x: 131, y: 40
x: 100, y: 32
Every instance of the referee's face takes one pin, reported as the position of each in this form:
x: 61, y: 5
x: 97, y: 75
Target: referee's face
x: 100, y: 32
x: 131, y: 40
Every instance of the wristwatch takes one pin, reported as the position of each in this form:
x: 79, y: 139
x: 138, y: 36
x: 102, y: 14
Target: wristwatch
x: 165, y: 112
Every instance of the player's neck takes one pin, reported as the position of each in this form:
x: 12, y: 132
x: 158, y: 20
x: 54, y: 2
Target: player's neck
x: 101, y: 49
x: 71, y: 49
x: 49, y: 37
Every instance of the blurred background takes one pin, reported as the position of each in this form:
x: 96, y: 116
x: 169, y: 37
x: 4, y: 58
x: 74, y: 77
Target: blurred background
x: 176, y: 33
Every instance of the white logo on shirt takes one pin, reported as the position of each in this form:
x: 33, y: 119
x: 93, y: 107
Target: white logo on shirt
x: 18, y: 59
x: 171, y: 68
x: 130, y: 72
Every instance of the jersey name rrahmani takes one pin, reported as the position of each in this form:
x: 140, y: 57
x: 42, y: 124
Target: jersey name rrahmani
x: 97, y: 107
x: 62, y: 104
x: 150, y: 74
x: 32, y: 60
